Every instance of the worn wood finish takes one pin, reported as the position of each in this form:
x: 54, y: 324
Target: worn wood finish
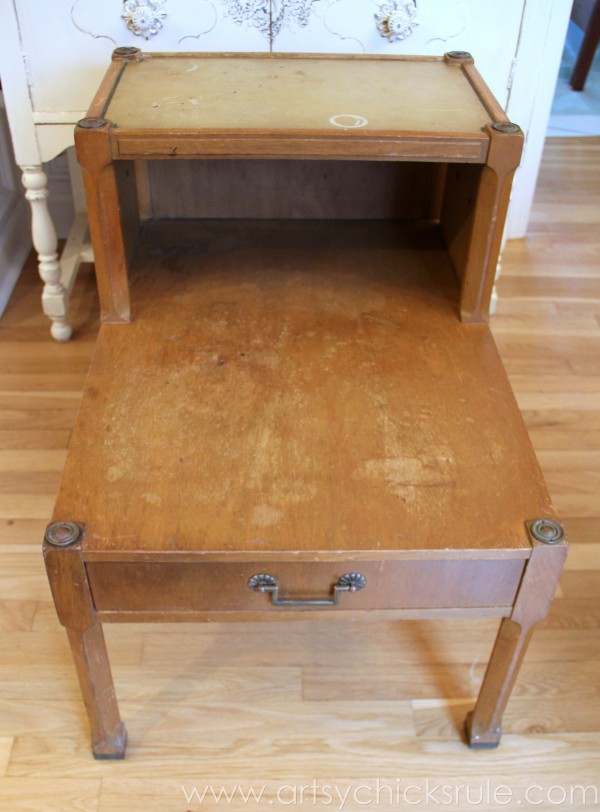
x: 425, y: 110
x: 298, y: 614
x: 237, y: 318
x: 107, y: 229
x: 299, y: 398
x: 255, y: 703
x: 357, y: 190
x: 286, y: 376
x: 258, y: 121
x: 308, y: 145
x: 76, y: 611
x: 486, y: 97
x: 473, y: 216
x: 192, y: 587
x: 109, y: 736
x: 245, y: 92
x: 484, y: 724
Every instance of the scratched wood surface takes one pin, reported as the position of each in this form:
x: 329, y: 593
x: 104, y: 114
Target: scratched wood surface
x: 323, y: 701
x: 263, y: 92
x: 298, y: 387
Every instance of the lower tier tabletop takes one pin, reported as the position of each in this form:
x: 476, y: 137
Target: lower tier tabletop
x: 298, y: 390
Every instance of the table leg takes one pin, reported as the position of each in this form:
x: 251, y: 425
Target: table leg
x: 54, y: 296
x: 75, y: 608
x: 473, y: 215
x: 483, y: 725
x: 113, y: 215
x: 109, y: 736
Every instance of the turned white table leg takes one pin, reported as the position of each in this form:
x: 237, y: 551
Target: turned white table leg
x: 54, y: 296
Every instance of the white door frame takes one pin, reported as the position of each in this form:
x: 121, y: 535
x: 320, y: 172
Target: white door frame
x: 541, y: 43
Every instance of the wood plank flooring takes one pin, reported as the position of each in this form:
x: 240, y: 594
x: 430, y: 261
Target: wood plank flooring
x: 345, y: 705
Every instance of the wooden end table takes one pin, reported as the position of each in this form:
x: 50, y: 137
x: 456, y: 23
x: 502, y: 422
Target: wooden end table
x: 304, y: 417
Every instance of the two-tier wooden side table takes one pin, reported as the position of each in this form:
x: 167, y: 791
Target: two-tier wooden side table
x: 302, y: 417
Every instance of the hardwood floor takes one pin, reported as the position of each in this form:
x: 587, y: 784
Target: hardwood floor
x: 321, y: 701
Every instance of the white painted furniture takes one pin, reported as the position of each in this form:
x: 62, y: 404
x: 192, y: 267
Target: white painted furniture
x: 53, y: 54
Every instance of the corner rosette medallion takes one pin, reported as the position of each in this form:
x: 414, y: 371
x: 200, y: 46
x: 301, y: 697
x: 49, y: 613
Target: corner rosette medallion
x: 396, y: 20
x: 144, y: 18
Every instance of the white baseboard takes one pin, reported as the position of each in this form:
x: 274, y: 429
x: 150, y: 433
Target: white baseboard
x: 573, y: 126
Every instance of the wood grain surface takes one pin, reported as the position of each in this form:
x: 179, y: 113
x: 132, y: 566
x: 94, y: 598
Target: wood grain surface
x: 191, y: 587
x: 323, y: 700
x: 298, y: 388
x: 293, y: 92
x: 357, y: 190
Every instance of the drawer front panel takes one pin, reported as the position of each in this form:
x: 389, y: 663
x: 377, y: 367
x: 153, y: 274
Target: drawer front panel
x: 205, y: 587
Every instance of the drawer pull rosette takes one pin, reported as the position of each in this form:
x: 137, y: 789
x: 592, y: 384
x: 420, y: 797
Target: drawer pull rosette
x: 144, y: 18
x: 350, y: 582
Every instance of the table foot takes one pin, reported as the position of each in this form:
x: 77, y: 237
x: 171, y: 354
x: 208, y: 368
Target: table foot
x: 111, y: 749
x: 481, y: 741
x: 60, y: 329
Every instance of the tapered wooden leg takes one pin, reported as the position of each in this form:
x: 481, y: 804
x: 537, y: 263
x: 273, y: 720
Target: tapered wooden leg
x: 483, y: 726
x: 109, y: 735
x: 71, y: 591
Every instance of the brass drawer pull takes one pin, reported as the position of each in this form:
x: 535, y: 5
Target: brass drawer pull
x: 350, y: 582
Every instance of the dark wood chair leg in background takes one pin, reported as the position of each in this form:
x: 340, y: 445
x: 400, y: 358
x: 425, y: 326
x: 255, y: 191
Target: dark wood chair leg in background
x: 483, y: 725
x: 591, y: 29
x: 75, y: 608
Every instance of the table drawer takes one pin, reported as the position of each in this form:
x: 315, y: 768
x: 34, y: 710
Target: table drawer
x: 215, y: 586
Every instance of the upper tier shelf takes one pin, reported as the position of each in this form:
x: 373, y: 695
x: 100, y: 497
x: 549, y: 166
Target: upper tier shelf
x: 275, y: 106
x: 410, y: 108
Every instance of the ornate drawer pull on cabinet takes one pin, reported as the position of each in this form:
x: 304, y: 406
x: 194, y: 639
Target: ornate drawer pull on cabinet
x: 396, y: 19
x: 350, y: 582
x: 144, y: 18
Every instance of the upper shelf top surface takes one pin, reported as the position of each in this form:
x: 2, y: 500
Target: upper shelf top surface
x: 283, y: 92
